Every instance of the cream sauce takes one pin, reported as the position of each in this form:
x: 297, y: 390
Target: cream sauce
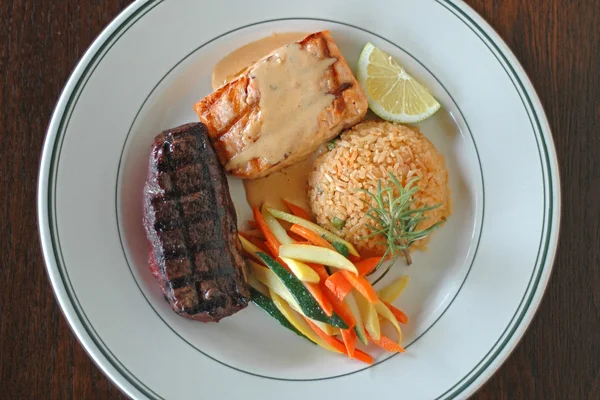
x: 238, y: 60
x: 292, y: 95
x: 290, y: 183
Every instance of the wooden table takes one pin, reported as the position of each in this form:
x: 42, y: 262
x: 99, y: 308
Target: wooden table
x: 558, y: 43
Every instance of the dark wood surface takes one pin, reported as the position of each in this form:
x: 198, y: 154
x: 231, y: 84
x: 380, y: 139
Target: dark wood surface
x: 558, y: 44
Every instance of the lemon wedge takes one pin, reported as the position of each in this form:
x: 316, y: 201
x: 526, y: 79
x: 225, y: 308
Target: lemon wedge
x: 392, y: 93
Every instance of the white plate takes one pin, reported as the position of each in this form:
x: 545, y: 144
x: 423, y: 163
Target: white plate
x: 471, y: 296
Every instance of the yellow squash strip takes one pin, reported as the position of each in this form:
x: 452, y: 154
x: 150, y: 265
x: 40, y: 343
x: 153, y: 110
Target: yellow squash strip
x: 301, y: 270
x: 298, y: 321
x: 250, y: 248
x: 368, y: 315
x: 317, y: 255
x: 313, y: 227
x: 275, y: 227
x: 256, y: 284
x: 393, y: 290
x: 268, y: 278
x: 360, y: 327
x: 385, y: 312
x: 328, y: 329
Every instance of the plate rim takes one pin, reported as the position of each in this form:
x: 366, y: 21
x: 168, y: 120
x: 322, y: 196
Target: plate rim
x: 129, y: 386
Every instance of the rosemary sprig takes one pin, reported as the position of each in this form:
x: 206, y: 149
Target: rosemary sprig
x: 396, y: 219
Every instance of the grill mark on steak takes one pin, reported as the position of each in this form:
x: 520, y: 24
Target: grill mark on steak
x: 191, y: 226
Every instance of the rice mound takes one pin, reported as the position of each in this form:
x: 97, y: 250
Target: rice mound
x: 361, y: 157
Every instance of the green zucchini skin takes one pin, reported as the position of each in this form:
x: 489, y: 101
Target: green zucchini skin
x: 269, y: 307
x: 341, y: 248
x: 307, y: 303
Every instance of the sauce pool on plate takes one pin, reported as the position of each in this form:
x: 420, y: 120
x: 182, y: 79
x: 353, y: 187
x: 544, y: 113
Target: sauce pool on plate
x: 290, y: 183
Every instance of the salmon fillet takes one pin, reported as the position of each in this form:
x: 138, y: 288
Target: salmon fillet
x: 233, y: 115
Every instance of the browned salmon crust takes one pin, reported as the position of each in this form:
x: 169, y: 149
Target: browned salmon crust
x: 227, y: 111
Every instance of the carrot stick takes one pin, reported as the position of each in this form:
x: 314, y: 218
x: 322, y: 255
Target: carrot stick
x: 295, y: 237
x: 387, y: 344
x: 341, y: 308
x: 301, y: 242
x: 362, y: 356
x: 321, y: 299
x: 339, y: 285
x: 338, y: 306
x: 366, y: 266
x: 362, y: 286
x: 297, y: 210
x: 271, y: 250
x: 311, y: 237
x: 349, y: 337
x: 264, y: 228
x: 320, y: 270
x: 333, y: 342
x: 252, y: 224
x: 399, y: 314
x: 338, y: 345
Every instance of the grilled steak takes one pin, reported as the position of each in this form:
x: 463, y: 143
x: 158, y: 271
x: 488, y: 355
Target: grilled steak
x: 191, y: 227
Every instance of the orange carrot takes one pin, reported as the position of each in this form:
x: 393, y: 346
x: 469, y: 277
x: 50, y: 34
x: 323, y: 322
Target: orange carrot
x: 295, y: 237
x: 271, y: 250
x: 399, y: 314
x: 311, y: 236
x: 362, y: 356
x: 338, y: 306
x: 264, y: 228
x: 252, y: 224
x: 342, y: 309
x: 320, y: 270
x: 297, y: 210
x: 339, y: 285
x: 362, y: 286
x: 349, y: 337
x: 302, y: 242
x: 338, y: 345
x: 387, y: 344
x: 333, y: 342
x: 367, y: 265
x: 321, y: 299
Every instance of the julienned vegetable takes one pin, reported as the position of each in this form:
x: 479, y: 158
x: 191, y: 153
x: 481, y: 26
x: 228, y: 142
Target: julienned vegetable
x: 250, y: 247
x: 311, y: 236
x: 393, y: 290
x: 318, y: 255
x: 385, y: 313
x: 331, y: 306
x: 313, y: 227
x: 369, y: 315
x: 276, y: 228
x: 301, y: 270
x: 296, y: 210
x: 269, y: 307
x: 272, y: 241
x: 298, y: 321
x: 359, y: 328
x: 307, y: 303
